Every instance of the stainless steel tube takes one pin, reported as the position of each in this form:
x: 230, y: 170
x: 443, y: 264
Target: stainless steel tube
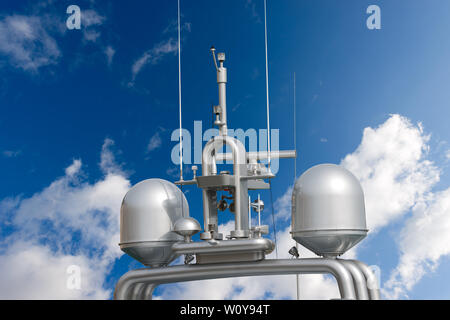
x: 222, y: 82
x: 183, y: 273
x: 371, y: 280
x: 243, y: 245
x: 223, y: 104
x: 239, y: 168
x: 260, y: 155
x: 148, y: 291
x: 358, y: 279
x: 137, y: 291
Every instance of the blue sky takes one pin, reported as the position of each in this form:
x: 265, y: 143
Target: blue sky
x: 88, y: 113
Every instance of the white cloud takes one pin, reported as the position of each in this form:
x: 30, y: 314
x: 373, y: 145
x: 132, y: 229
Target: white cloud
x: 282, y: 205
x: 70, y: 222
x: 251, y: 5
x: 11, y: 153
x: 90, y: 21
x: 91, y: 18
x: 392, y: 167
x: 26, y: 44
x: 74, y: 168
x: 29, y: 42
x: 173, y: 172
x: 108, y: 162
x: 153, y: 56
x: 109, y: 52
x: 423, y: 241
x: 35, y: 272
x: 398, y: 178
x: 160, y: 50
x: 91, y: 35
x: 173, y: 27
x: 155, y: 142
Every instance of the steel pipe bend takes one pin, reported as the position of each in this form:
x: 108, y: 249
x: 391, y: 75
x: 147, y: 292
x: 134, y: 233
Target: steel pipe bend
x: 239, y: 169
x: 136, y: 291
x: 359, y: 279
x: 371, y: 280
x: 140, y: 291
x: 155, y: 277
x: 148, y: 292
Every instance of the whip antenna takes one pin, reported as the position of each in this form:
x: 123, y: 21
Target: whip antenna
x: 267, y: 87
x: 268, y: 128
x: 297, y: 278
x: 179, y: 92
x: 295, y: 132
x: 179, y: 103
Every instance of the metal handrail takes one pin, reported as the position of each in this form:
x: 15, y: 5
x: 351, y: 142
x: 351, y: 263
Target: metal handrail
x: 133, y: 283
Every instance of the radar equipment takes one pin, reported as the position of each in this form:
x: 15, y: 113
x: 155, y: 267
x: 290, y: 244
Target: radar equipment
x: 328, y: 217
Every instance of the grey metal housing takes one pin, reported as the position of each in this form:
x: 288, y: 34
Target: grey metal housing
x: 328, y: 211
x: 147, y: 217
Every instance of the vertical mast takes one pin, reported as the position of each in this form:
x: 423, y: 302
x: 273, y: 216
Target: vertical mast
x: 222, y: 82
x: 221, y: 110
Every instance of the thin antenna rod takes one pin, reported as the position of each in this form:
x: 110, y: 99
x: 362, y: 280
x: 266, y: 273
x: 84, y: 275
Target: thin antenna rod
x: 249, y: 213
x: 259, y: 211
x: 267, y: 87
x: 297, y: 277
x: 273, y: 219
x: 295, y: 131
x: 179, y: 92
